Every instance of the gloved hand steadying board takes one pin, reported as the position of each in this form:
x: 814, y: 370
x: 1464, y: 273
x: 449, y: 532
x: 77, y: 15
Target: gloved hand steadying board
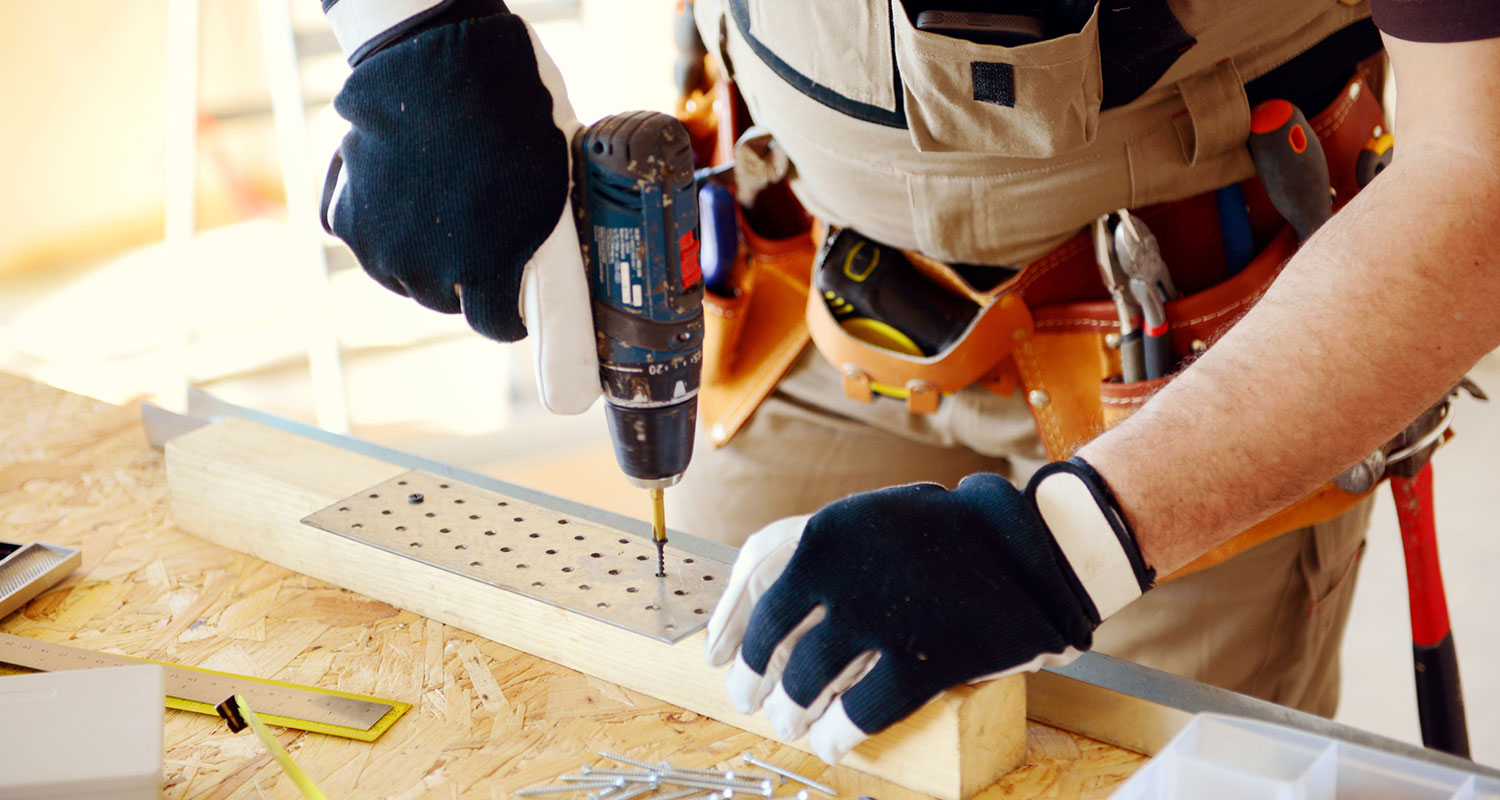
x: 842, y: 623
x: 452, y: 185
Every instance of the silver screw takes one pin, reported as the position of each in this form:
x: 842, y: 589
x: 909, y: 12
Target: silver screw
x: 572, y: 787
x: 763, y: 788
x: 627, y: 760
x: 667, y: 766
x: 743, y: 782
x: 635, y: 791
x: 632, y: 775
x: 681, y: 794
x: 750, y: 759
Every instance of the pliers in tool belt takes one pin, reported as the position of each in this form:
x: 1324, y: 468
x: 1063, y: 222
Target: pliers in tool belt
x: 1132, y: 359
x: 1151, y: 283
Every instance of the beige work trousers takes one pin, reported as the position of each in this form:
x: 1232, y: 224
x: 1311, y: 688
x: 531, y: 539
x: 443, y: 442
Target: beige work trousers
x: 1268, y: 623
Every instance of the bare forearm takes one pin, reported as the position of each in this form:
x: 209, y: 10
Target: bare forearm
x: 1375, y: 318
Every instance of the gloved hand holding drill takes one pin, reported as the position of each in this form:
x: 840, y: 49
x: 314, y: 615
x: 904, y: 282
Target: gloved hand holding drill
x: 842, y: 623
x: 452, y: 185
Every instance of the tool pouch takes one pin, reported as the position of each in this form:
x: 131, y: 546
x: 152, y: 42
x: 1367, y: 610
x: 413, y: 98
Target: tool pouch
x: 1047, y: 329
x: 1071, y: 374
x: 753, y: 338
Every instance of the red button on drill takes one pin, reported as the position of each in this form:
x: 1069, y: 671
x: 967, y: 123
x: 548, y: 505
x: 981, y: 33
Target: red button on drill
x: 687, y: 251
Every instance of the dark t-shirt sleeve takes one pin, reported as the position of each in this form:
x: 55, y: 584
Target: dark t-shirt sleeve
x: 1438, y: 20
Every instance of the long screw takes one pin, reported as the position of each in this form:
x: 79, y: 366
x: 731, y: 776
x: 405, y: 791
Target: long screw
x: 750, y: 759
x: 666, y: 767
x: 763, y: 789
x: 627, y: 760
x: 571, y: 787
x: 634, y: 776
x: 682, y: 794
x: 634, y: 791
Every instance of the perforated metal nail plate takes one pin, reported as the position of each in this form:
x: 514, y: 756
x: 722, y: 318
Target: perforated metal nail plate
x: 532, y: 550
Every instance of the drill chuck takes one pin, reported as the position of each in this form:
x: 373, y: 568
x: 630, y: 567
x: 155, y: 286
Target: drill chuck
x: 653, y: 445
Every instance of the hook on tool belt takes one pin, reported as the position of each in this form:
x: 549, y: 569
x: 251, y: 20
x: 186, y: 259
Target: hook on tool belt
x: 1408, y: 451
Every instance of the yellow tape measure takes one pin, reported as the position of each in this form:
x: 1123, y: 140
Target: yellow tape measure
x: 239, y: 716
x: 288, y: 705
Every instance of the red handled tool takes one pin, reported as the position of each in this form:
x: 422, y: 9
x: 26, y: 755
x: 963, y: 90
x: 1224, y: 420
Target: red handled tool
x: 1440, y: 700
x: 1291, y: 164
x: 1440, y: 703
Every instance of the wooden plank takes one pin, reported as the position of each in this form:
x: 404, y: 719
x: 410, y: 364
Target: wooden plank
x: 247, y: 486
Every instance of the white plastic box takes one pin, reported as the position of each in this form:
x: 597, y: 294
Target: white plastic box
x: 89, y: 733
x: 1229, y: 758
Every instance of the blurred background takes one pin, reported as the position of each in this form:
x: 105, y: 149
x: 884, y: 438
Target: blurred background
x: 162, y: 161
x: 149, y: 240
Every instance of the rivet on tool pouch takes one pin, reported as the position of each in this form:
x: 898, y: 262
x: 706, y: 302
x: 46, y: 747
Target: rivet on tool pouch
x: 891, y: 330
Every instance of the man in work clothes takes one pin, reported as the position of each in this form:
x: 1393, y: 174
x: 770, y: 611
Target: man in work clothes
x: 841, y: 623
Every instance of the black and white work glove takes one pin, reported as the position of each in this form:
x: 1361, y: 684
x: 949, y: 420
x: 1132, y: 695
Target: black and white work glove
x: 842, y: 623
x: 452, y: 185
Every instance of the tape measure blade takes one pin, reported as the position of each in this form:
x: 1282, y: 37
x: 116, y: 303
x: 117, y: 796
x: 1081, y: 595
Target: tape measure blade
x: 277, y: 700
x: 203, y: 686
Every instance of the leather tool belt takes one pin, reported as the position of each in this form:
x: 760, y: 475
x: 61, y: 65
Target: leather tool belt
x: 1044, y: 331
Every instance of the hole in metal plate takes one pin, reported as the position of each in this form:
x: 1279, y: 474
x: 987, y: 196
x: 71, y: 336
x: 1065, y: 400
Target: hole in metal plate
x: 610, y: 574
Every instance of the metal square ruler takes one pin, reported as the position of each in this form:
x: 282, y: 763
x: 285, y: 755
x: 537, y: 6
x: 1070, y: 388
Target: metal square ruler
x: 27, y: 570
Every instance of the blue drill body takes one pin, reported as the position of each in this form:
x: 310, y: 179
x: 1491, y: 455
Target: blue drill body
x: 638, y: 224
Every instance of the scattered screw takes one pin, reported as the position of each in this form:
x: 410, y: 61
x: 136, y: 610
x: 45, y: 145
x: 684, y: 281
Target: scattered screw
x: 750, y: 759
x: 667, y: 766
x: 627, y: 760
x: 681, y: 794
x: 634, y: 791
x: 724, y: 786
x: 415, y: 498
x: 572, y: 787
x: 634, y: 776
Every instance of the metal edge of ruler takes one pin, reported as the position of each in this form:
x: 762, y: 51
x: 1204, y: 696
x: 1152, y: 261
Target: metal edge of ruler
x: 203, y: 409
x: 398, y: 708
x: 1140, y: 709
x: 395, y: 709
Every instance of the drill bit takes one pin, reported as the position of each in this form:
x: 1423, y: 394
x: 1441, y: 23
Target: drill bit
x: 659, y: 530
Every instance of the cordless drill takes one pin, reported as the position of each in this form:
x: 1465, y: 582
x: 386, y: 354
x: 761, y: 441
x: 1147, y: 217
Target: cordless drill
x: 637, y: 208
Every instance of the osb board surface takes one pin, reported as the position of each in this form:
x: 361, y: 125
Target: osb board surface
x: 487, y: 719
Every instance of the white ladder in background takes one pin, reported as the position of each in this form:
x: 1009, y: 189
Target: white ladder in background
x: 301, y: 178
x: 330, y: 398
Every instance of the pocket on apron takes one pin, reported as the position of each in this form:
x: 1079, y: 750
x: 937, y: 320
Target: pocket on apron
x: 1034, y: 100
x: 838, y: 53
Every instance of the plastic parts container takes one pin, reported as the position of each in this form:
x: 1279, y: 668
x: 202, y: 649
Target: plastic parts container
x: 1229, y: 758
x: 88, y: 734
